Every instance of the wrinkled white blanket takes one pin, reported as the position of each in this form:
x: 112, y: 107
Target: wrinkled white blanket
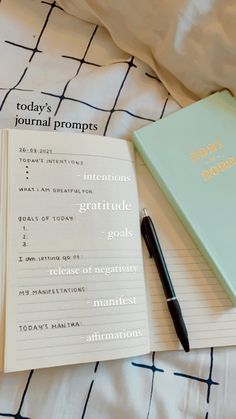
x: 190, y: 44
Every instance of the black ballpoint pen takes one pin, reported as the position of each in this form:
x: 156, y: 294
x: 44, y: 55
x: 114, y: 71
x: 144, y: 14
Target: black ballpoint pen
x: 150, y: 236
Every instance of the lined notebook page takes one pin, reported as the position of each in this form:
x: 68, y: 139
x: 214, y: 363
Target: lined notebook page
x: 75, y: 282
x: 207, y: 310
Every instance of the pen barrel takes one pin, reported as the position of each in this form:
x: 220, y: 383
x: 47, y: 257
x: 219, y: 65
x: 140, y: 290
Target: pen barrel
x: 180, y: 328
x: 158, y: 257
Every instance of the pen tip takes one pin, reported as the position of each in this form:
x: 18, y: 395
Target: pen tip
x: 185, y: 345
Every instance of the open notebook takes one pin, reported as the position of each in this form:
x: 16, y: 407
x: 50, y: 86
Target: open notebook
x: 73, y: 287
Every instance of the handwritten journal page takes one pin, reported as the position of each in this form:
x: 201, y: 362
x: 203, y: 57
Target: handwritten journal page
x: 75, y: 282
x: 207, y: 310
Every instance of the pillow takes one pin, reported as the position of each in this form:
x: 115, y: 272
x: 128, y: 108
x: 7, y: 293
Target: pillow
x: 190, y: 44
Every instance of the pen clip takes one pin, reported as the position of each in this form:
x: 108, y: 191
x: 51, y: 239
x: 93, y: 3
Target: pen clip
x: 146, y: 239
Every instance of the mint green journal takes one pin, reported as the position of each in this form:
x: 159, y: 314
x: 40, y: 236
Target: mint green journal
x: 192, y: 156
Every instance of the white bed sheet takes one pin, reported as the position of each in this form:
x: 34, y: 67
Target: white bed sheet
x: 75, y: 70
